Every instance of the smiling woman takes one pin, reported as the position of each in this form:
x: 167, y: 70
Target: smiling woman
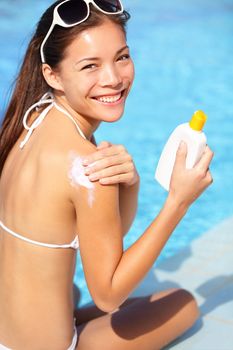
x: 52, y: 188
x: 94, y: 76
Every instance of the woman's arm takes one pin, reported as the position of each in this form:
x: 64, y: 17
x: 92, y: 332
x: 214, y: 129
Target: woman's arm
x: 112, y: 164
x: 128, y: 199
x: 111, y: 273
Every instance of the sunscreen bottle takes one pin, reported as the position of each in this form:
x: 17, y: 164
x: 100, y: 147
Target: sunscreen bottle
x: 191, y: 133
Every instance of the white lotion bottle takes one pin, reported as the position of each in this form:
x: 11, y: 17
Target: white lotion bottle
x: 191, y: 133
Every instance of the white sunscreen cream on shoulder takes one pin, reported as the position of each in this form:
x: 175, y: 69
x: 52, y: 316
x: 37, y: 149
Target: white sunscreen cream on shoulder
x: 78, y: 178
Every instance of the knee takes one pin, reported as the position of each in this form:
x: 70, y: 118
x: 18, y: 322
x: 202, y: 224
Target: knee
x: 190, y: 304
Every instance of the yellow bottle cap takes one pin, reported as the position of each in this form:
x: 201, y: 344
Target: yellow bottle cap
x: 198, y: 120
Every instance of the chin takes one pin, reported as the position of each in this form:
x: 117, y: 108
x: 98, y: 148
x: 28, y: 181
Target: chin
x: 111, y: 118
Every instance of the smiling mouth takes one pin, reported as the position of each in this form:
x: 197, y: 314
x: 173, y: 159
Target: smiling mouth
x: 110, y: 99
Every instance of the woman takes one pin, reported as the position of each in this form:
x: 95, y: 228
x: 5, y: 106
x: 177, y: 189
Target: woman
x: 56, y: 184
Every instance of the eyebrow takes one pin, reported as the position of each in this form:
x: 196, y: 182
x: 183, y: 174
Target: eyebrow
x: 97, y: 58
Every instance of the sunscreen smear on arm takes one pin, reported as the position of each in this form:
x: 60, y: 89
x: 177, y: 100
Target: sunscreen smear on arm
x: 191, y: 133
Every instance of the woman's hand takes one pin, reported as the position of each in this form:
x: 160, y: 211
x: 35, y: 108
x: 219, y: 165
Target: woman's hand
x: 188, y: 184
x: 111, y: 164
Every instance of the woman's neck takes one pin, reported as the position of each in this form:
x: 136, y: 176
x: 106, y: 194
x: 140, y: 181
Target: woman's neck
x: 87, y: 125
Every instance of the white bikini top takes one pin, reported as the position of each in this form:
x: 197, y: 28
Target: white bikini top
x: 48, y: 98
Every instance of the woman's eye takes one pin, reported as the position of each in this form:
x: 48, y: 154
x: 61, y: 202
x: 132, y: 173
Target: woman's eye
x: 124, y: 57
x: 89, y: 66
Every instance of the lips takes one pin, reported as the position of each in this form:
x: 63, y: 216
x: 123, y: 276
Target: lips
x: 109, y: 98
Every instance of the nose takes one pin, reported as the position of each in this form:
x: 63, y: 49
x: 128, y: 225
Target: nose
x: 110, y: 77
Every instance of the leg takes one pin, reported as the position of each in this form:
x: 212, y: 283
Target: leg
x: 87, y: 313
x: 148, y: 323
x: 90, y: 312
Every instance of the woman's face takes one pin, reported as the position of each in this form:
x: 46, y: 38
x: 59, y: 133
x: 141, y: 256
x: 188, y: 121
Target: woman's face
x: 97, y: 73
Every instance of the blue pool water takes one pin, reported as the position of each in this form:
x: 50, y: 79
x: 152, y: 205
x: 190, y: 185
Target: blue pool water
x: 184, y: 61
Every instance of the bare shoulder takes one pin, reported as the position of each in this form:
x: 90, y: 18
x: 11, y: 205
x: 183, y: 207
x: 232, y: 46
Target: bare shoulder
x: 88, y: 197
x: 60, y: 147
x: 82, y: 190
x: 66, y: 150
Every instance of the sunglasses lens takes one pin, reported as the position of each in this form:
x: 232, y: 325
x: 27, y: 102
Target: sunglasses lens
x: 110, y: 6
x: 73, y: 11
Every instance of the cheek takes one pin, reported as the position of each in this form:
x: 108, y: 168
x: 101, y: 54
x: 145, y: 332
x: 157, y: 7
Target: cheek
x: 128, y: 73
x: 82, y: 85
x: 131, y: 72
x: 75, y: 92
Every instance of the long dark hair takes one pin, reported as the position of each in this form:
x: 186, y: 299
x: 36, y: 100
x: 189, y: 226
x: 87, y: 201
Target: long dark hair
x: 30, y: 84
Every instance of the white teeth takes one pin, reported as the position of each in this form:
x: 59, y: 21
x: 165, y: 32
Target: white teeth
x: 109, y: 99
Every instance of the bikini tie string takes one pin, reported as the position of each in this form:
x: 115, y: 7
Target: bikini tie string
x: 45, y: 99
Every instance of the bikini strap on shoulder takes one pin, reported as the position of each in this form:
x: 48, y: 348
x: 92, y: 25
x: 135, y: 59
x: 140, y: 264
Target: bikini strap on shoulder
x: 71, y: 118
x: 45, y: 99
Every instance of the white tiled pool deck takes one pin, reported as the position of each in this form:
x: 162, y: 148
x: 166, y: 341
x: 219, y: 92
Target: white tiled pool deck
x: 206, y: 269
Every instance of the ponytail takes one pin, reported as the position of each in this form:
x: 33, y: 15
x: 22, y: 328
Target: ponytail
x: 30, y: 86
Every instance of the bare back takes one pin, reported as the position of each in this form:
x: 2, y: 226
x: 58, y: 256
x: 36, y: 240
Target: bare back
x: 35, y: 203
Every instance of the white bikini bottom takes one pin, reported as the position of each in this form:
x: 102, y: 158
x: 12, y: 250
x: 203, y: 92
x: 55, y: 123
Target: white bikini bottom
x: 71, y: 347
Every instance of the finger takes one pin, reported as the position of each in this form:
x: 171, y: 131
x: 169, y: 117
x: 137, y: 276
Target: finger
x: 205, y: 160
x: 107, y: 162
x: 111, y: 171
x: 209, y: 178
x: 104, y: 144
x: 102, y: 153
x: 112, y: 150
x: 181, y: 154
x: 122, y: 178
x: 92, y: 158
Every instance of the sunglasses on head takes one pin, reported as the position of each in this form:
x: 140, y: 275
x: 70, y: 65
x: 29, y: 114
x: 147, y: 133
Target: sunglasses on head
x: 69, y: 13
